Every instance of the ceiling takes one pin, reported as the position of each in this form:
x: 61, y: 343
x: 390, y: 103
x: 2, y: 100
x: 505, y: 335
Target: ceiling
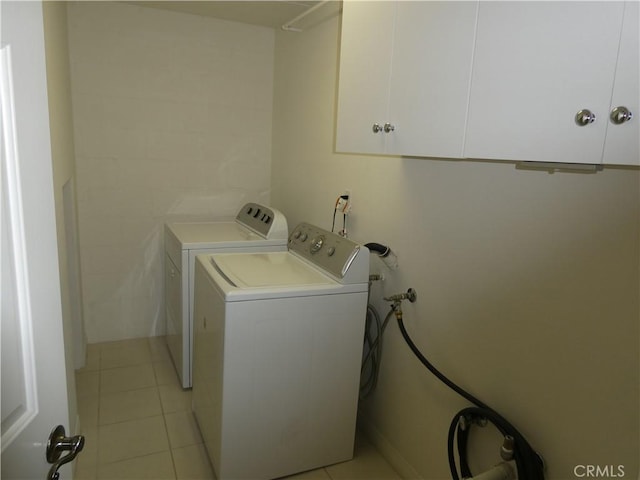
x: 267, y: 13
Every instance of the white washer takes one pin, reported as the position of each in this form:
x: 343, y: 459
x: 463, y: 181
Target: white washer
x: 256, y: 228
x: 277, y: 355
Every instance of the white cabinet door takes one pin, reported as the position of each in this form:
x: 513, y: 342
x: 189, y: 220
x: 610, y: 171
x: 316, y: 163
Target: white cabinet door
x: 365, y: 58
x: 623, y: 139
x: 431, y: 71
x: 408, y: 65
x: 536, y: 65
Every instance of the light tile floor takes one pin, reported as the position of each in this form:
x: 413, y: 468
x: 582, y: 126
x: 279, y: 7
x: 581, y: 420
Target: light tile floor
x: 137, y: 422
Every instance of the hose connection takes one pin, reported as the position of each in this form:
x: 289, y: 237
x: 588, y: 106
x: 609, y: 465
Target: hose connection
x: 410, y: 295
x: 506, y: 451
x: 384, y: 253
x: 397, y: 299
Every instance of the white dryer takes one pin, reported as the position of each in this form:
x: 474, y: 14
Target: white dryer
x: 256, y: 228
x: 277, y: 354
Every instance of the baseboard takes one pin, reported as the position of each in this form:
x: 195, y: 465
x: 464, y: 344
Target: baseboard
x: 388, y: 451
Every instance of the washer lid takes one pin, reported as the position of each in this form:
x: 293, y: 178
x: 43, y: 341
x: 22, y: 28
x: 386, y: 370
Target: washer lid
x: 269, y: 275
x: 260, y: 270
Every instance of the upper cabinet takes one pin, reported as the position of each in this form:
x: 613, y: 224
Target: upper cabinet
x: 534, y: 81
x: 405, y: 69
x: 543, y: 76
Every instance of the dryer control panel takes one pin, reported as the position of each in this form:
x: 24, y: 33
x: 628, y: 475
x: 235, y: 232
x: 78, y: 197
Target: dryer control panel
x: 342, y: 258
x: 265, y: 221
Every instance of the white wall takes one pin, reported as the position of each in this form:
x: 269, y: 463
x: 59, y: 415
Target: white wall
x: 172, y: 117
x: 527, y: 281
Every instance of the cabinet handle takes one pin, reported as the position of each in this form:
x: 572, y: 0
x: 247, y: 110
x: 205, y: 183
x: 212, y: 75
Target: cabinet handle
x: 388, y: 128
x: 585, y: 117
x: 620, y: 115
x: 376, y: 128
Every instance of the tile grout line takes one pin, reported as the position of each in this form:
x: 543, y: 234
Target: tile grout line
x: 166, y: 429
x: 100, y: 407
x: 164, y: 414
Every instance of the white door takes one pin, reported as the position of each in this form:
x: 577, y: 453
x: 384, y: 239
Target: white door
x: 34, y: 389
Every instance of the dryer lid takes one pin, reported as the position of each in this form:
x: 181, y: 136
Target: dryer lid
x: 254, y: 225
x: 211, y: 232
x: 201, y: 235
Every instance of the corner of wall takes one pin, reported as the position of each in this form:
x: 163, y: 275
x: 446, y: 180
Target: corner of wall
x: 386, y: 448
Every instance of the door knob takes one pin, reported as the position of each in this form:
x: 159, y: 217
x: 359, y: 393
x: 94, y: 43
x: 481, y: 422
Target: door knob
x: 376, y: 128
x: 59, y: 443
x: 585, y: 117
x: 388, y: 128
x: 620, y: 115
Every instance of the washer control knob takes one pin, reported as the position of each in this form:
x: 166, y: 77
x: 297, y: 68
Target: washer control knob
x: 331, y: 251
x: 303, y: 237
x: 255, y: 215
x: 316, y: 243
x: 296, y: 234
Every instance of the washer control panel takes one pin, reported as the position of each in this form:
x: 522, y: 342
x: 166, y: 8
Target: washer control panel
x: 261, y: 219
x: 325, y: 249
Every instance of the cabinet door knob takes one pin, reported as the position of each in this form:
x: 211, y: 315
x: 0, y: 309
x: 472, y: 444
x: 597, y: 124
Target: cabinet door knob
x: 620, y: 115
x: 585, y: 117
x: 388, y: 128
x: 376, y: 128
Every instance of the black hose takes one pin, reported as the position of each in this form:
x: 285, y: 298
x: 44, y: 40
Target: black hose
x: 381, y: 250
x: 528, y: 462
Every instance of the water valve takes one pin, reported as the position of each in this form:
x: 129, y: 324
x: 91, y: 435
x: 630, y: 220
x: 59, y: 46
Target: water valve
x: 410, y: 295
